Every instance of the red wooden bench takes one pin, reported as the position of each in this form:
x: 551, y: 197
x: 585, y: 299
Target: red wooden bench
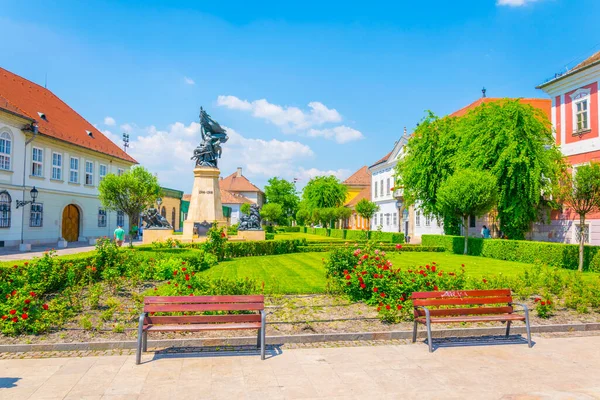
x: 198, y: 323
x: 466, y: 306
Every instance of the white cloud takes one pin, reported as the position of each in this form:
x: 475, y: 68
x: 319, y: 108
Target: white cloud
x: 109, y: 121
x: 188, y: 81
x: 514, y: 3
x: 289, y: 119
x: 128, y: 128
x: 341, y: 134
x: 304, y: 175
x: 114, y: 137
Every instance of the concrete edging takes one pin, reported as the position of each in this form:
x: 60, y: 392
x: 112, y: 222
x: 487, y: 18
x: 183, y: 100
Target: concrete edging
x: 309, y: 338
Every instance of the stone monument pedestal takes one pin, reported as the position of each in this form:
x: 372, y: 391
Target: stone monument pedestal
x: 205, y: 203
x: 156, y: 235
x: 251, y: 235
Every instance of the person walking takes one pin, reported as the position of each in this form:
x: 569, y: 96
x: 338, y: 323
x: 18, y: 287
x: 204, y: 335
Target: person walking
x: 485, y: 232
x: 119, y: 235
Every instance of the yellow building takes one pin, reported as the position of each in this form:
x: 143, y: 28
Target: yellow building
x: 359, y: 187
x: 170, y: 207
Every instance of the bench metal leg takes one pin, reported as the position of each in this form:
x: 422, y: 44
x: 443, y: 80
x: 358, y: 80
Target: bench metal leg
x: 428, y: 320
x: 528, y: 328
x: 258, y: 337
x: 145, y: 342
x: 140, y: 338
x: 263, y: 330
x: 507, y: 328
x: 415, y: 332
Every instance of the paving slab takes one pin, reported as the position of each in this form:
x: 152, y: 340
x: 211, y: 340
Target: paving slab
x: 555, y: 368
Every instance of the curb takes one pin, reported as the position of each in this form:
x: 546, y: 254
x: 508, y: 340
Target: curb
x: 309, y: 338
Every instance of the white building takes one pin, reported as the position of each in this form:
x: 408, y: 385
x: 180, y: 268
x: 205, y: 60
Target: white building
x: 239, y: 185
x: 46, y: 144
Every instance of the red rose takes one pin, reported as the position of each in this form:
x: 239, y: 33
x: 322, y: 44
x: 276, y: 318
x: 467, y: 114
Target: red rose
x: 382, y: 294
x: 374, y: 289
x: 378, y: 309
x: 4, y: 316
x: 175, y: 273
x: 548, y: 302
x: 485, y: 281
x: 440, y: 274
x: 435, y: 287
x: 32, y: 294
x: 13, y: 293
x: 398, y: 246
x: 222, y: 234
x: 176, y: 284
x: 12, y: 312
x: 25, y: 309
x: 191, y: 294
x: 537, y: 299
x: 399, y: 306
x: 93, y: 269
x: 183, y: 263
x: 45, y: 306
x: 433, y: 269
x: 345, y: 272
x: 27, y: 301
x: 24, y: 316
x: 543, y: 303
x: 189, y: 286
x: 168, y: 282
x: 362, y: 286
x: 387, y: 307
x: 187, y: 277
x: 184, y: 269
x: 15, y: 319
x: 348, y: 277
x: 462, y: 265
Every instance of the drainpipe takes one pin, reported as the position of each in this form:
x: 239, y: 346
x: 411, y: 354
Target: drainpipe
x: 34, y: 128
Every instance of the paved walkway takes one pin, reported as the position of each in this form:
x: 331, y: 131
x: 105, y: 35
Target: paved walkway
x: 559, y: 368
x: 13, y: 253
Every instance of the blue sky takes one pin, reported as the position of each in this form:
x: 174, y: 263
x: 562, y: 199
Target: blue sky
x: 305, y: 88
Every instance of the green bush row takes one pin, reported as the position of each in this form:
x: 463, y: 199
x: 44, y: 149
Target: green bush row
x: 316, y: 248
x: 353, y: 234
x: 554, y: 254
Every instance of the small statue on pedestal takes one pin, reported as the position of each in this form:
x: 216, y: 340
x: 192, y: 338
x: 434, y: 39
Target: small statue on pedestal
x: 154, y: 220
x: 250, y: 222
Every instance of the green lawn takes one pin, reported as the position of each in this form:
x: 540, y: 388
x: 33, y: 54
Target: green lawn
x: 304, y: 272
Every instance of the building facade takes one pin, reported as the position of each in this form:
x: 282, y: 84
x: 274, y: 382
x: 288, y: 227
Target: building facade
x: 47, y: 145
x: 575, y: 118
x: 359, y: 188
x: 170, y: 207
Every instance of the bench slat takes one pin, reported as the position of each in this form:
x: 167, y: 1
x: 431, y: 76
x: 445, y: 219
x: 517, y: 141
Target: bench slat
x: 461, y: 293
x: 204, y: 307
x: 478, y: 318
x: 202, y: 299
x: 465, y: 311
x: 462, y: 300
x: 199, y: 319
x: 197, y: 328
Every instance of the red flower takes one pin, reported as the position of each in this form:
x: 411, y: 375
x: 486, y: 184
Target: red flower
x: 189, y: 286
x: 26, y: 263
x: 440, y: 274
x: 378, y: 309
x: 24, y: 316
x: 222, y: 234
x: 25, y: 309
x: 183, y: 263
x: 345, y: 272
x: 374, y: 289
x: 4, y: 316
x: 382, y: 294
x: 348, y: 277
x: 184, y: 269
x: 543, y: 303
x: 45, y: 306
x: 537, y: 299
x: 399, y: 306
x: 32, y: 294
x: 424, y: 274
x: 27, y: 301
x: 362, y: 286
x: 191, y: 294
x: 175, y: 273
x: 433, y: 269
x: 462, y: 265
x: 176, y: 284
x: 435, y: 287
x: 485, y: 281
x: 548, y: 302
x: 15, y: 319
x: 93, y: 269
x: 13, y: 293
x: 398, y: 246
x: 168, y: 282
x: 187, y: 277
x: 387, y: 307
x: 12, y: 312
x: 155, y: 289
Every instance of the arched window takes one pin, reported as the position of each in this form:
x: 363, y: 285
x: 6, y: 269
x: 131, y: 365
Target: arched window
x: 5, y: 149
x: 163, y: 212
x: 5, y: 202
x: 173, y: 213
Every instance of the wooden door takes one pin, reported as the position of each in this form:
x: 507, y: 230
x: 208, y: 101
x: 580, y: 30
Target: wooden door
x: 70, y: 223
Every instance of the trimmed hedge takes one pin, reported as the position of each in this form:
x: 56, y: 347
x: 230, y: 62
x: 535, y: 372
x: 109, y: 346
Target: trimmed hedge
x: 321, y: 231
x: 554, y: 254
x: 292, y: 228
x: 337, y: 233
x: 385, y: 247
x: 262, y: 248
x: 352, y: 234
x: 392, y: 237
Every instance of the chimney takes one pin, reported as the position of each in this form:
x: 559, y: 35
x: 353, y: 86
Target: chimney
x: 239, y: 172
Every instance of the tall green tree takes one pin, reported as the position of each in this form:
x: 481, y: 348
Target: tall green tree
x: 466, y: 193
x: 133, y: 192
x: 581, y: 193
x: 366, y: 209
x: 303, y: 215
x: 342, y: 214
x: 324, y: 192
x: 271, y: 212
x: 283, y: 192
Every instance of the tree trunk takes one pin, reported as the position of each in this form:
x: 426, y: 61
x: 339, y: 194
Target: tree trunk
x: 131, y: 221
x: 466, y: 232
x: 581, y: 240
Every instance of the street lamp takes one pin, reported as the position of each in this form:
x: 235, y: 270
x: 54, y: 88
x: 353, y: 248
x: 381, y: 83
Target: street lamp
x: 158, y: 201
x: 33, y: 193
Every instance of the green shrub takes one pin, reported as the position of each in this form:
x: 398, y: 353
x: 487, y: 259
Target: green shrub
x: 232, y: 230
x: 338, y: 233
x: 595, y: 263
x: 269, y: 229
x: 293, y: 228
x: 262, y: 248
x: 269, y: 236
x: 355, y: 234
x: 322, y: 231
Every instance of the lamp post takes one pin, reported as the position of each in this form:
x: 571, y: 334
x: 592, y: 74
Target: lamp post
x: 22, y: 203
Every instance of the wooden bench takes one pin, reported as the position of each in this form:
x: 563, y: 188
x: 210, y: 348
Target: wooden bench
x: 466, y: 306
x: 198, y: 323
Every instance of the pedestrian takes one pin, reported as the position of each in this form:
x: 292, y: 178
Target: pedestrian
x: 483, y: 228
x: 134, y: 231
x: 119, y: 235
x: 486, y: 233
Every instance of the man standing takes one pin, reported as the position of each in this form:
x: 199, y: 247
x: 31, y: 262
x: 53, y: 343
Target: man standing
x: 119, y: 235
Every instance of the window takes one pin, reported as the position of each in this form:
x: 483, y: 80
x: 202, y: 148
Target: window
x: 173, y: 214
x: 586, y: 233
x: 428, y: 220
x: 472, y: 221
x: 74, y: 171
x: 5, y: 148
x: 375, y: 190
x: 581, y: 115
x: 89, y: 173
x: 101, y: 218
x: 36, y: 215
x: 395, y: 219
x: 418, y: 218
x: 387, y: 219
x: 57, y: 166
x: 163, y: 212
x: 381, y: 188
x: 375, y: 219
x: 5, y: 202
x: 387, y: 185
x: 120, y: 172
x: 37, y: 159
x: 120, y: 218
x: 103, y: 171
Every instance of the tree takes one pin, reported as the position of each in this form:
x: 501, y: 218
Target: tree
x: 581, y: 193
x: 245, y: 208
x: 343, y: 213
x: 324, y: 192
x: 271, y: 212
x: 466, y: 193
x: 133, y: 192
x: 303, y: 215
x: 284, y: 193
x: 366, y: 209
x: 325, y: 215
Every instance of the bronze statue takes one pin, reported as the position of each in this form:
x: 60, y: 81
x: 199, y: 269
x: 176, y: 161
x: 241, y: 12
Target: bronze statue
x: 250, y: 222
x: 213, y: 135
x: 154, y: 220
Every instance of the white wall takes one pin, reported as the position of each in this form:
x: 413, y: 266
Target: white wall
x: 235, y: 212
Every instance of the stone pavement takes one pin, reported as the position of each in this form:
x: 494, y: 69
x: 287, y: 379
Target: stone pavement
x: 13, y: 253
x: 556, y: 368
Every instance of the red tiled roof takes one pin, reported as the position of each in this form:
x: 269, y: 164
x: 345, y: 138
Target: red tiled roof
x: 234, y: 183
x: 382, y: 160
x: 232, y: 198
x: 365, y: 193
x: 588, y: 61
x: 360, y: 177
x: 543, y: 104
x: 62, y: 122
x: 186, y: 197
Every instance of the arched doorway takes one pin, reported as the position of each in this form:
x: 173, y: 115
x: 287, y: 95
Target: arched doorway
x: 70, y: 223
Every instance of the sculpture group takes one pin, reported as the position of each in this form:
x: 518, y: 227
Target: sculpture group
x: 213, y: 135
x: 153, y: 219
x: 250, y: 222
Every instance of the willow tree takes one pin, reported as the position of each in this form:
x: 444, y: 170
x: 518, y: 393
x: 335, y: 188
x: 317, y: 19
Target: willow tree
x: 324, y: 192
